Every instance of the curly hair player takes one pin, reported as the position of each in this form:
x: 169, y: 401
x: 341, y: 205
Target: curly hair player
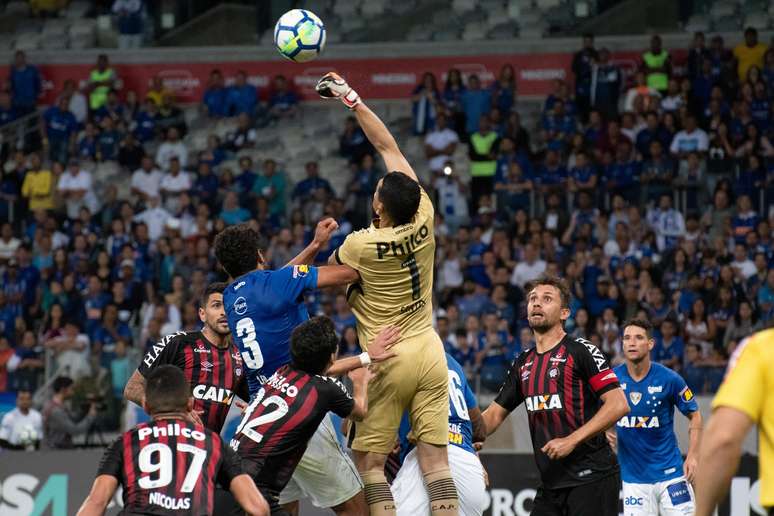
x: 393, y: 260
x: 273, y: 435
x: 263, y: 307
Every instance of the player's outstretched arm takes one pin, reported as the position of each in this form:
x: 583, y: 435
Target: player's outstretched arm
x: 135, y: 388
x: 493, y: 417
x: 101, y: 492
x: 360, y: 378
x: 614, y: 407
x: 721, y: 448
x: 378, y: 351
x: 252, y: 501
x: 335, y: 275
x: 334, y: 86
x: 322, y: 236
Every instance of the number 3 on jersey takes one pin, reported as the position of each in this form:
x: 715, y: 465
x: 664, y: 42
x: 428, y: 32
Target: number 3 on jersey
x: 250, y: 349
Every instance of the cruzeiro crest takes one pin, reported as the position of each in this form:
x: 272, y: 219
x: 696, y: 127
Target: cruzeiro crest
x: 635, y: 397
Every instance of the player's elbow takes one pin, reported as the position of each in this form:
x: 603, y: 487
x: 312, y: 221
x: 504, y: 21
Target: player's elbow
x: 359, y: 412
x: 618, y: 404
x: 258, y: 507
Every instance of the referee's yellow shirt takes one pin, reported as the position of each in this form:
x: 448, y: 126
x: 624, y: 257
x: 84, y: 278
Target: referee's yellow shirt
x: 749, y: 387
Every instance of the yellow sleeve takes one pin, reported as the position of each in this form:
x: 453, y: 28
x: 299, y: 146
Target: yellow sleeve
x: 745, y: 382
x: 349, y: 252
x: 426, y: 210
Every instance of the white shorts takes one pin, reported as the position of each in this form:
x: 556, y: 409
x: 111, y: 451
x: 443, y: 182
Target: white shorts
x: 671, y: 498
x: 410, y: 493
x: 326, y: 475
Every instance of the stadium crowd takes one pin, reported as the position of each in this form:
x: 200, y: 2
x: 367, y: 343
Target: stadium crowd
x: 650, y: 193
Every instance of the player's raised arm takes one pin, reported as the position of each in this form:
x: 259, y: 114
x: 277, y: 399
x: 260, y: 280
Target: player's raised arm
x: 135, y: 388
x: 334, y: 86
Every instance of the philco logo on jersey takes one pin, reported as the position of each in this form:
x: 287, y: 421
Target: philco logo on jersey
x: 157, y: 348
x: 212, y: 393
x: 686, y: 394
x: 240, y: 305
x: 543, y: 402
x: 409, y: 244
x: 280, y: 383
x: 171, y: 430
x: 639, y: 422
x: 655, y: 388
x: 596, y: 354
x: 300, y: 271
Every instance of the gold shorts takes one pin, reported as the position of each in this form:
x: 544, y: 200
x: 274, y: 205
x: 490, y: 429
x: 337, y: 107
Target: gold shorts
x: 415, y: 381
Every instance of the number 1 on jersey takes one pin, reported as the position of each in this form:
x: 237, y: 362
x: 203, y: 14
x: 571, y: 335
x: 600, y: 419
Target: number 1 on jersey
x: 411, y: 264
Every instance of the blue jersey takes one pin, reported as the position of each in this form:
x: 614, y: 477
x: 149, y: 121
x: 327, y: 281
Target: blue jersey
x: 647, y: 446
x: 263, y: 309
x: 461, y: 401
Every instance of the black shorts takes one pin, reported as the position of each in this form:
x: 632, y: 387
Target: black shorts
x: 598, y: 498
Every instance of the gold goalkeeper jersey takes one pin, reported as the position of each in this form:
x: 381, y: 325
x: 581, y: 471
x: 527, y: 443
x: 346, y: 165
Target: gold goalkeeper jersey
x: 396, y: 275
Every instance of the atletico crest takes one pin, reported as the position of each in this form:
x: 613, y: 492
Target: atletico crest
x: 635, y: 397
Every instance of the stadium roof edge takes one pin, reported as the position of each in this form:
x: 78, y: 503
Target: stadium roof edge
x: 364, y: 50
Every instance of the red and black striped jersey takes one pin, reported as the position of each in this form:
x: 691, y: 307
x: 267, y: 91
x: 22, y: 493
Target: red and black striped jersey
x: 214, y: 374
x: 561, y: 390
x: 170, y: 467
x: 283, y: 416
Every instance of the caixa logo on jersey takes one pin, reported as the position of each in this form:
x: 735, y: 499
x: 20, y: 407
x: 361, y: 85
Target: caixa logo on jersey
x: 543, y: 402
x: 240, y: 306
x: 212, y: 393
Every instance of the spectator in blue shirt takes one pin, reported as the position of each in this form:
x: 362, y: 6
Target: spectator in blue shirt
x: 7, y: 111
x: 650, y: 133
x: 624, y: 175
x: 558, y: 127
x: 746, y: 219
x: 59, y: 129
x: 108, y: 334
x: 504, y: 89
x: 112, y: 108
x: 205, y: 188
x: 146, y: 121
x: 215, y: 100
x: 87, y: 145
x: 752, y: 178
x: 25, y: 84
x: 583, y: 176
x: 552, y: 176
x: 476, y: 102
x: 606, y: 81
x: 232, y: 213
x: 283, y: 102
x: 512, y: 190
x: 245, y: 180
x: 452, y: 101
x: 669, y: 347
x: 424, y: 100
x: 108, y: 141
x: 242, y: 97
x: 313, y: 186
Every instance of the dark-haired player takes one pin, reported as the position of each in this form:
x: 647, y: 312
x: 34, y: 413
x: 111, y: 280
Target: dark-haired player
x: 655, y: 478
x: 263, y: 307
x: 289, y: 407
x: 169, y: 466
x: 572, y: 396
x: 209, y: 360
x: 394, y: 260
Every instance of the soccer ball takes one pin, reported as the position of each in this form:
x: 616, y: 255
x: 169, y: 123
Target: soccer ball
x: 299, y: 35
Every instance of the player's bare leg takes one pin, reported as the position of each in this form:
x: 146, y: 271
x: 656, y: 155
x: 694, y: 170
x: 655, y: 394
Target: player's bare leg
x: 434, y: 463
x: 378, y: 496
x: 355, y: 506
